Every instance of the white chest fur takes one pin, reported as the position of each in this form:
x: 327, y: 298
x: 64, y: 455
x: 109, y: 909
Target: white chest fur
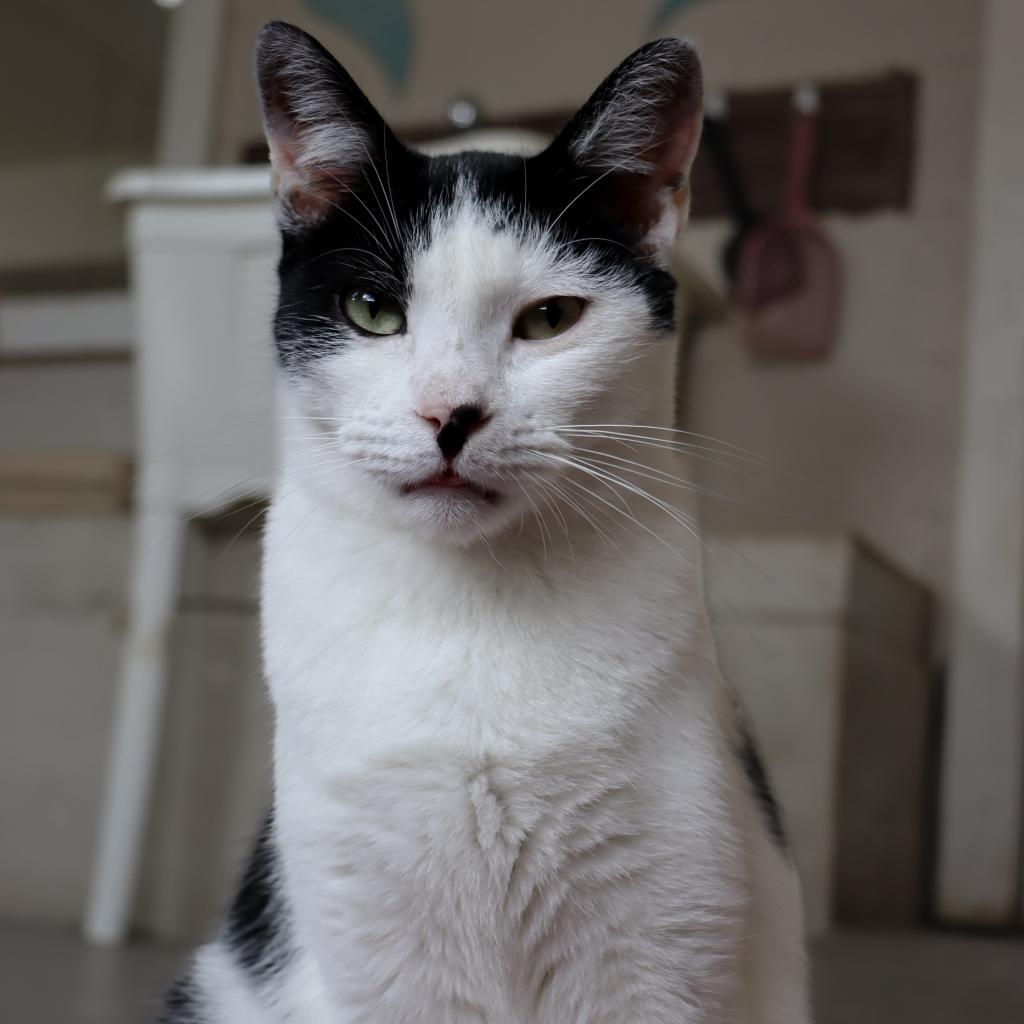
x: 491, y: 782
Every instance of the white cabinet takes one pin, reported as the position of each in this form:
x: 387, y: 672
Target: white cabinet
x: 203, y: 253
x: 828, y: 645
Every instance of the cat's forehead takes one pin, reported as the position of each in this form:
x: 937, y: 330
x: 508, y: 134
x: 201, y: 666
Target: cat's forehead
x: 493, y: 247
x: 480, y: 230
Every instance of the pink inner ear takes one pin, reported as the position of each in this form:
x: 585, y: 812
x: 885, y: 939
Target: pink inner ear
x: 309, y: 192
x: 674, y: 156
x: 671, y: 160
x: 309, y: 206
x: 313, y: 192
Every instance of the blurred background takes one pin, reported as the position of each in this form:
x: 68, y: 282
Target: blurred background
x: 852, y: 319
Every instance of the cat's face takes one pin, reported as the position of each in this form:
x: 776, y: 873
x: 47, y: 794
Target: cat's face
x: 444, y: 321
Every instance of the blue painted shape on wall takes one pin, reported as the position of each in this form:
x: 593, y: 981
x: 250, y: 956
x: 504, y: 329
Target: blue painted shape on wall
x: 668, y: 9
x: 383, y: 26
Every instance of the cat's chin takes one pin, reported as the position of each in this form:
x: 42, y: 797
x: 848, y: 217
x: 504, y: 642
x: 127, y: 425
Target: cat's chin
x: 459, y: 512
x: 449, y: 486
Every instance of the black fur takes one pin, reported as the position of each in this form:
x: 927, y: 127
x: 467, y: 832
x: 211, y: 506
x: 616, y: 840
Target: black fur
x: 761, y: 785
x: 256, y: 930
x: 181, y: 1004
x: 320, y: 263
x: 453, y: 435
x: 391, y: 198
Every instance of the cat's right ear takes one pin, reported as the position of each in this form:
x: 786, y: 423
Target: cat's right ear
x: 321, y: 129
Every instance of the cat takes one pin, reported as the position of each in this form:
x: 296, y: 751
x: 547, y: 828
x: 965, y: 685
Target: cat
x: 511, y: 785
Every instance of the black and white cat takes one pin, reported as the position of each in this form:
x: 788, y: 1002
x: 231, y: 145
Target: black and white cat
x: 511, y: 786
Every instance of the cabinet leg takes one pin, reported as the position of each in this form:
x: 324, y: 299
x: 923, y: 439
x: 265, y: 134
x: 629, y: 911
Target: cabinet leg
x: 156, y: 572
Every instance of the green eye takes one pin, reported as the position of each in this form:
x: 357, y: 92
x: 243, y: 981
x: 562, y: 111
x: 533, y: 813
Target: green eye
x: 548, y: 318
x: 373, y: 312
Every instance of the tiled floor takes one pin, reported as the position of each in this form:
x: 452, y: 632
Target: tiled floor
x: 860, y: 978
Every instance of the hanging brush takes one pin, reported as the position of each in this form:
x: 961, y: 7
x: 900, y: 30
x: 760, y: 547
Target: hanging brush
x: 790, y: 275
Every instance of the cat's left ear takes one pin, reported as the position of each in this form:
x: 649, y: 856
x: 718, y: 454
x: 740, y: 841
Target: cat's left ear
x: 637, y: 136
x: 323, y: 132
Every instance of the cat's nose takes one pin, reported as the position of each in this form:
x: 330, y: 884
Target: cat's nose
x: 453, y: 426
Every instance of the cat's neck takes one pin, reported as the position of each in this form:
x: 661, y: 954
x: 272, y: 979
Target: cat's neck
x: 542, y: 636
x: 635, y: 570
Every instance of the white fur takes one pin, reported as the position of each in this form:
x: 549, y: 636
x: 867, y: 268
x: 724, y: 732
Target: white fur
x: 506, y: 783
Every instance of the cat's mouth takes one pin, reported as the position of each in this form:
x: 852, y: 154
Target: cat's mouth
x: 450, y: 482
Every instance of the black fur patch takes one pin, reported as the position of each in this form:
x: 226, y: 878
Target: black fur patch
x: 181, y: 1004
x: 256, y: 929
x: 357, y: 245
x: 761, y: 786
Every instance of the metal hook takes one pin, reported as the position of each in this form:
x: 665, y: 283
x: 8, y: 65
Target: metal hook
x: 462, y: 113
x: 716, y: 105
x: 807, y: 98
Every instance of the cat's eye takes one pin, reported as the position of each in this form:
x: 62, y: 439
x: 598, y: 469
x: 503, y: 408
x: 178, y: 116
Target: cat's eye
x: 549, y: 318
x: 372, y: 311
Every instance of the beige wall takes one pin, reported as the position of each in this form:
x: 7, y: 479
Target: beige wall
x: 872, y: 432
x: 510, y: 57
x: 80, y: 85
x: 981, y: 865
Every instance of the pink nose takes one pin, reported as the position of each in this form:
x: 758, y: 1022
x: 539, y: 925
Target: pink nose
x: 436, y: 415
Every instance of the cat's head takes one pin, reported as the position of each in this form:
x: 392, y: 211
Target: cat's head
x: 443, y: 322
